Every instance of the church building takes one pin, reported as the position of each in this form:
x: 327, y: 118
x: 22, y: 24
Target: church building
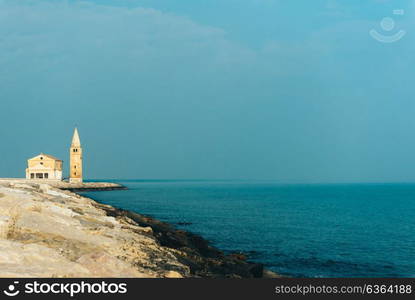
x: 48, y: 167
x: 44, y: 166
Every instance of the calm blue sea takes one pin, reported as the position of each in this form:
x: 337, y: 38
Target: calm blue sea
x: 298, y: 230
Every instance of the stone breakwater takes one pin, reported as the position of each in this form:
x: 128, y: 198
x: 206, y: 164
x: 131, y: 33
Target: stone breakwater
x: 46, y: 231
x: 64, y: 185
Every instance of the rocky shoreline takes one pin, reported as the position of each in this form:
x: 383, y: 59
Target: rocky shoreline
x: 194, y: 251
x: 46, y: 231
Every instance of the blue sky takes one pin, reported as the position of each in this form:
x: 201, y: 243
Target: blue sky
x: 292, y: 91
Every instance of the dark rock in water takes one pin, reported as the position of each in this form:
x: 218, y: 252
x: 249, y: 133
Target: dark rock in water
x: 194, y: 251
x: 252, y: 253
x: 239, y: 256
x: 184, y: 223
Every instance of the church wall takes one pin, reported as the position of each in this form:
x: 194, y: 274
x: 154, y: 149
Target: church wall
x: 46, y: 162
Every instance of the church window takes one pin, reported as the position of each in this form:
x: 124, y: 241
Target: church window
x: 41, y: 163
x: 46, y: 175
x: 32, y: 175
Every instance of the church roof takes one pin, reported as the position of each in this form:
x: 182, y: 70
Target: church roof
x: 51, y: 157
x: 46, y: 155
x: 76, y: 141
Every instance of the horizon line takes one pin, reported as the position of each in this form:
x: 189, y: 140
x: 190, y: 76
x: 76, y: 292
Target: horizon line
x: 249, y: 180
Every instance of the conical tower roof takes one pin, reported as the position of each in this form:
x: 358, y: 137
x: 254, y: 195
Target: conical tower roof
x: 76, y: 141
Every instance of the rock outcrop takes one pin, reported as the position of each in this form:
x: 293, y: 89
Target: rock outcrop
x: 65, y: 185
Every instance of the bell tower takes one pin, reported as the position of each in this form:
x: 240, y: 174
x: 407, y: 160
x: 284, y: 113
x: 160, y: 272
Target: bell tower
x: 75, y: 155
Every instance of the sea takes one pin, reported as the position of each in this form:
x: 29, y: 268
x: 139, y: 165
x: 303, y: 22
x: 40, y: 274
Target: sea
x: 319, y: 230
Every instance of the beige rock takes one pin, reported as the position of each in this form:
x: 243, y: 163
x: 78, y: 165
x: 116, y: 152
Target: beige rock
x: 19, y: 260
x: 102, y: 264
x: 173, y: 274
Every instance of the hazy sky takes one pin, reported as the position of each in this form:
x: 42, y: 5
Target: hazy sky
x: 288, y: 90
